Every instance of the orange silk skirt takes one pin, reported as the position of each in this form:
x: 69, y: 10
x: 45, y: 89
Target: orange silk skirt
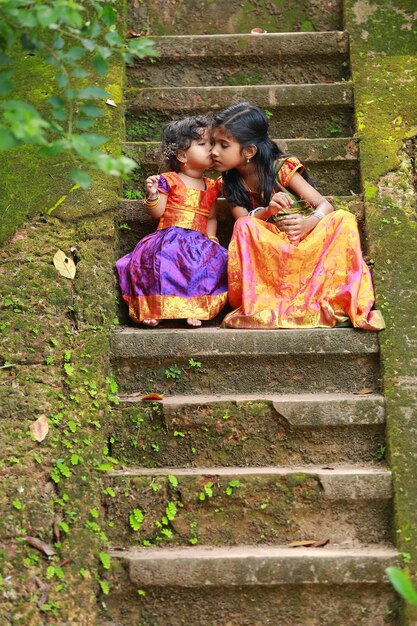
x: 322, y: 281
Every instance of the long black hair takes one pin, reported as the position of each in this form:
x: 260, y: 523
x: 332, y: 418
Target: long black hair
x: 249, y: 125
x: 179, y: 134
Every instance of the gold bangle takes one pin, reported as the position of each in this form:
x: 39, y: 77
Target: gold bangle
x: 213, y: 238
x: 152, y: 202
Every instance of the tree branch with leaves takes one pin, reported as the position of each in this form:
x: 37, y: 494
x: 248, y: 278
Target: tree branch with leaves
x: 78, y: 39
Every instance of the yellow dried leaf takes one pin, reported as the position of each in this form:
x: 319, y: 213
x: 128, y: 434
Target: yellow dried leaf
x: 64, y: 265
x: 39, y: 428
x: 363, y: 392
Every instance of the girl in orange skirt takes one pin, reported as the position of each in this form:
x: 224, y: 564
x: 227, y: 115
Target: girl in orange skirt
x: 288, y: 266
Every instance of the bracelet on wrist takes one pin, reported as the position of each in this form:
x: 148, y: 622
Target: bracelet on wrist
x: 319, y: 214
x: 254, y: 211
x: 152, y: 201
x: 213, y: 238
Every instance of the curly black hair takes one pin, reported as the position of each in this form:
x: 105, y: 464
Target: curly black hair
x: 178, y: 136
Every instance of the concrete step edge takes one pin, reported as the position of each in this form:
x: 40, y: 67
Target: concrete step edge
x: 328, y: 34
x: 303, y: 410
x: 257, y: 565
x: 340, y: 483
x: 213, y: 342
x: 278, y: 96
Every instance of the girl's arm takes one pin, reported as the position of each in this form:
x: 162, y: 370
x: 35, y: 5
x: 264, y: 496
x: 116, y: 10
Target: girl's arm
x: 238, y: 211
x: 212, y: 222
x: 155, y: 201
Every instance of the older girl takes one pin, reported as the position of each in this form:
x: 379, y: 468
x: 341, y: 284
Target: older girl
x: 300, y: 271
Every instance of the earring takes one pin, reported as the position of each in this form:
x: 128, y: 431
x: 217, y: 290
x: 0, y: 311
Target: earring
x: 247, y: 160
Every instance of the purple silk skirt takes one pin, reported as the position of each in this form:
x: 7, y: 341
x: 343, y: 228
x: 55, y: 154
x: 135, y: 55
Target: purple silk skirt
x: 174, y: 273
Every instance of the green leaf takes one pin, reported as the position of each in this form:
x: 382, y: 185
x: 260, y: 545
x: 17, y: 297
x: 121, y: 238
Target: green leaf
x: 81, y: 178
x: 104, y: 587
x: 91, y: 110
x: 400, y: 580
x: 173, y: 481
x: 92, y: 92
x: 100, y: 64
x: 136, y: 518
x: 105, y: 560
x: 171, y: 511
x: 94, y: 140
x: 108, y: 15
x: 84, y: 124
x: 53, y: 149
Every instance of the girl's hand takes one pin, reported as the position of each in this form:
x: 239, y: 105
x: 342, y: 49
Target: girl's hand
x: 296, y: 227
x: 279, y: 202
x: 151, y: 185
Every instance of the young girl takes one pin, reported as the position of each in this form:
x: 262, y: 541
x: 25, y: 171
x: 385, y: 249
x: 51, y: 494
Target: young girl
x: 179, y: 271
x: 299, y: 272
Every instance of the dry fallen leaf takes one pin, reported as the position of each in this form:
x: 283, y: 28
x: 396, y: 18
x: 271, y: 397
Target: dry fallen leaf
x: 40, y: 545
x: 152, y: 396
x: 258, y: 31
x: 300, y: 544
x: 133, y: 33
x: 319, y: 544
x: 309, y: 543
x: 364, y: 391
x: 64, y: 265
x: 39, y: 428
x: 111, y: 103
x: 328, y: 467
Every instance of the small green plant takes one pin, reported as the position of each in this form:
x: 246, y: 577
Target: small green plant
x: 380, y: 455
x: 268, y: 113
x: 133, y: 194
x: 207, y: 492
x: 136, y: 519
x: 233, y: 484
x: 192, y: 363
x: 406, y: 557
x: 173, y: 372
x: 124, y: 226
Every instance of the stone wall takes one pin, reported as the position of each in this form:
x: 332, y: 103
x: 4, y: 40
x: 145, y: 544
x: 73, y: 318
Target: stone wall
x: 384, y: 67
x: 54, y: 360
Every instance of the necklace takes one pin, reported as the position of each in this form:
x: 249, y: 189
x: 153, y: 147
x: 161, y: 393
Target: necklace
x: 248, y: 188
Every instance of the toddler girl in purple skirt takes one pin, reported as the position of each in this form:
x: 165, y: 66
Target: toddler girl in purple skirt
x: 180, y: 270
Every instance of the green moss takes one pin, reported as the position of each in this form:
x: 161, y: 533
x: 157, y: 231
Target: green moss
x: 383, y: 64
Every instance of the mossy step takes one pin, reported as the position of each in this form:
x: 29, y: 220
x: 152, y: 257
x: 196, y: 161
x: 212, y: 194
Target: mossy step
x: 295, y: 111
x: 332, y: 163
x: 248, y: 566
x: 163, y: 360
x: 176, y: 18
x: 233, y: 505
x: 251, y: 429
x: 243, y: 59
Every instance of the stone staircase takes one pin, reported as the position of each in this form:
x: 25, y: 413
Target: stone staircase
x: 262, y: 438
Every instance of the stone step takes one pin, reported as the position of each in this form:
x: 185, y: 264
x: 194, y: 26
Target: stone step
x: 177, y: 18
x: 332, y: 163
x: 249, y: 429
x: 163, y: 360
x: 252, y: 586
x: 295, y: 111
x: 230, y: 59
x: 234, y: 505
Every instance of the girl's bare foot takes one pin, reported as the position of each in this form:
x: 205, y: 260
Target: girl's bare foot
x: 150, y: 322
x: 192, y: 321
